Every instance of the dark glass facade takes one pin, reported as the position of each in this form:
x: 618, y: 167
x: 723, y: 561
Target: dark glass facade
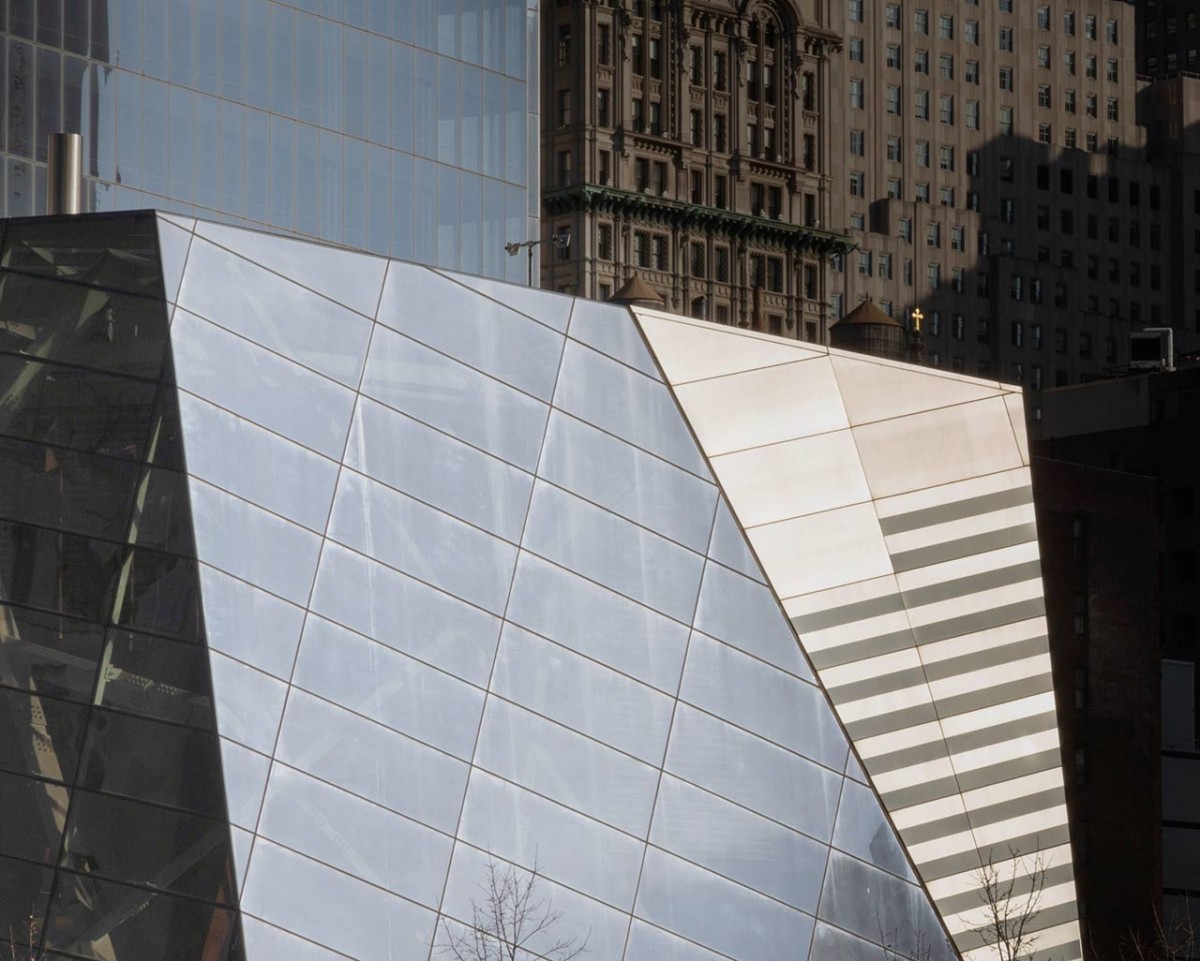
x: 114, y: 838
x: 403, y: 127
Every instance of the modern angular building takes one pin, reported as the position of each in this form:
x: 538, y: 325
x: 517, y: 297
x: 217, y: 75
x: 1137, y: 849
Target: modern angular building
x: 312, y: 608
x: 405, y: 128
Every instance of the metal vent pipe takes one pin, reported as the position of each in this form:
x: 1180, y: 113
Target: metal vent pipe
x: 64, y: 185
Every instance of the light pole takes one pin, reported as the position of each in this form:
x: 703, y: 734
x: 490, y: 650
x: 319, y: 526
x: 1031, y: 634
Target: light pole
x: 561, y: 241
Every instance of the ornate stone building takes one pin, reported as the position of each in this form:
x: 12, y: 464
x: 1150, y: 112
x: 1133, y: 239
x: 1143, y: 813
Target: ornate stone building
x: 687, y: 142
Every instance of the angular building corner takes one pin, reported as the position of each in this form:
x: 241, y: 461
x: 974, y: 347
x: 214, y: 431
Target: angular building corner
x: 891, y: 508
x: 410, y: 573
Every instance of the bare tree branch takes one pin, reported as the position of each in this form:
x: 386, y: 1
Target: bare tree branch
x: 1010, y: 892
x: 509, y: 920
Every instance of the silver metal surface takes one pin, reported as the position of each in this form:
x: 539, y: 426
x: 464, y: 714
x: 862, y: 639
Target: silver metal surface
x: 64, y: 186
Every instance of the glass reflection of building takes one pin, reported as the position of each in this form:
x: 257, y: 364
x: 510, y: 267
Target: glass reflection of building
x: 312, y: 610
x: 396, y: 126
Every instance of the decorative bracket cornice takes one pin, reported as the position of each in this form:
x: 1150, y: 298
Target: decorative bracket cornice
x: 665, y: 212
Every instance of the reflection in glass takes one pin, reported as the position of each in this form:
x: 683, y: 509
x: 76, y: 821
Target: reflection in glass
x: 101, y: 919
x: 117, y: 251
x: 148, y: 845
x: 81, y: 325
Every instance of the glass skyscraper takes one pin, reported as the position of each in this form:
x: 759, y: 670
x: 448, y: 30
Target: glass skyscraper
x: 403, y: 127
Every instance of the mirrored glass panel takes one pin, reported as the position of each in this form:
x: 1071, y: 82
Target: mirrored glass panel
x: 251, y: 544
x: 327, y: 906
x: 66, y: 490
x: 429, y: 545
x: 552, y: 309
x: 601, y: 546
x: 626, y: 403
x: 24, y: 893
x: 566, y: 767
x: 753, y: 772
x: 115, y: 755
x: 84, y: 326
x: 728, y: 545
x: 259, y: 385
x: 597, y: 622
x: 343, y: 748
x: 249, y: 702
x: 899, y: 909
x: 439, y: 470
x: 248, y: 623
x: 156, y: 677
x: 581, y: 694
x: 747, y: 615
x: 150, y: 846
x: 173, y: 243
x: 756, y: 696
x: 519, y: 826
x: 863, y: 831
x: 744, y: 847
x: 627, y: 481
x: 45, y: 652
x: 581, y: 917
x: 94, y: 919
x: 398, y: 691
x: 611, y: 330
x: 272, y: 311
x: 454, y: 398
x: 117, y: 251
x: 69, y: 407
x: 48, y: 735
x: 31, y: 828
x: 717, y: 913
x: 406, y: 614
x: 256, y: 464
x: 355, y: 836
x: 474, y: 329
x: 350, y: 278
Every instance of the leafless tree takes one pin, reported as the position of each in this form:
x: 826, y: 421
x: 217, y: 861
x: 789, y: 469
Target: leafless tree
x: 1175, y: 938
x: 510, y: 919
x: 1010, y: 892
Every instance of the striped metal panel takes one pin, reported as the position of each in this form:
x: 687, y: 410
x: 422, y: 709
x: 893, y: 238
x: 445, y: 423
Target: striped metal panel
x: 892, y: 511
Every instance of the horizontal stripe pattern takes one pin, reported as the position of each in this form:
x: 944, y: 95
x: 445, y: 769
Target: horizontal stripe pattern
x: 921, y: 610
x: 941, y: 674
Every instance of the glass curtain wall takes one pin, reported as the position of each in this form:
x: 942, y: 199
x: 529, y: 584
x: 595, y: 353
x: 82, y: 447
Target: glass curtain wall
x: 114, y: 838
x: 395, y: 126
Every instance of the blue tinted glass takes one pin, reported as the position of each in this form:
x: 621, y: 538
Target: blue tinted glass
x: 235, y: 106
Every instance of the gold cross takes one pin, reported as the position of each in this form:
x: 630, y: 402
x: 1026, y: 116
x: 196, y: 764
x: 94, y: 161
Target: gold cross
x: 917, y: 317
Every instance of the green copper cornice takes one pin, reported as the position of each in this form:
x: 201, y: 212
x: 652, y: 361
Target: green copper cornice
x: 665, y: 212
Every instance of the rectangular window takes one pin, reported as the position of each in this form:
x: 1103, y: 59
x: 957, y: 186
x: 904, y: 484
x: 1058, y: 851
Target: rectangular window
x: 893, y: 56
x: 854, y: 10
x: 946, y: 66
x: 720, y: 76
x: 602, y: 107
x: 946, y: 26
x: 604, y: 44
x: 971, y: 73
x: 946, y: 108
x: 856, y: 50
x: 563, y: 46
x: 893, y: 100
x: 604, y: 241
x: 1005, y: 41
x: 972, y: 117
x: 921, y: 21
x: 971, y: 32
x: 856, y: 93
